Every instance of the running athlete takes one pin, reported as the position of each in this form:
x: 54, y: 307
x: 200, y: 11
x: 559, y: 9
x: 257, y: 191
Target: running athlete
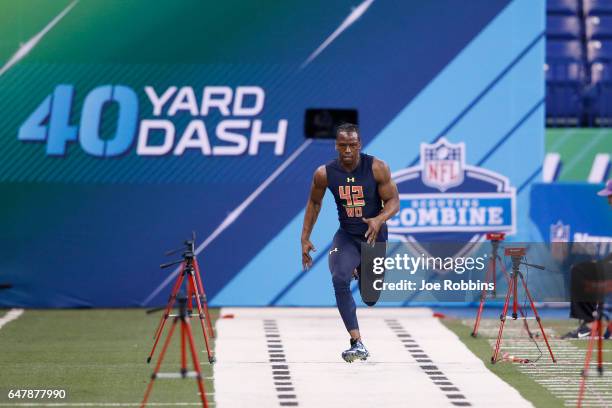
x: 366, y: 197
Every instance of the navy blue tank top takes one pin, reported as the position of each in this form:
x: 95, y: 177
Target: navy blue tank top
x: 356, y: 195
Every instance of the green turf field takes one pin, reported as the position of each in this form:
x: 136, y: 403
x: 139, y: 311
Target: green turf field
x: 538, y: 386
x: 97, y: 356
x: 577, y: 148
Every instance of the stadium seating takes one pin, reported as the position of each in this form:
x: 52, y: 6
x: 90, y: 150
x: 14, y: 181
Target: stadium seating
x: 563, y: 27
x: 601, y: 72
x: 562, y: 7
x: 600, y: 101
x: 597, y: 7
x: 578, y: 62
x: 563, y: 103
x: 568, y: 71
x: 563, y: 50
x: 600, y: 50
x: 599, y: 27
x: 565, y: 74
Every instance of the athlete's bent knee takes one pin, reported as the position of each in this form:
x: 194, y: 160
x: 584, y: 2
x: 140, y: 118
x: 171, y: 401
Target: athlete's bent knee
x: 341, y: 284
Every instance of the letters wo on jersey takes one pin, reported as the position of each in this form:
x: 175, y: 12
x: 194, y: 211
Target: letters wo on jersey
x: 444, y: 199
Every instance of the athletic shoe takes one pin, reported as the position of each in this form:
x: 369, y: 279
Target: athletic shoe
x: 582, y: 332
x: 356, y: 352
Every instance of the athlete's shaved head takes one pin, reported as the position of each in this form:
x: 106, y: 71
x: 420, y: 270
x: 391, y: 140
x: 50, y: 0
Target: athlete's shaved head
x: 348, y: 144
x: 348, y: 128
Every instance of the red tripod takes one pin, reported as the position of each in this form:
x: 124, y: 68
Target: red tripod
x: 189, y: 273
x: 491, y: 275
x: 517, y: 254
x: 494, y: 260
x: 186, y: 335
x: 596, y: 334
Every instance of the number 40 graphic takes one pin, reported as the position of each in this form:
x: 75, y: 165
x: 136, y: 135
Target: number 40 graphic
x: 50, y: 121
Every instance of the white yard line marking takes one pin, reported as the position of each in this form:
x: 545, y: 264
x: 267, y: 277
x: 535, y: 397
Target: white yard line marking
x: 32, y: 42
x: 598, y: 170
x: 233, y: 216
x: 312, y: 339
x: 551, y: 164
x: 11, y: 315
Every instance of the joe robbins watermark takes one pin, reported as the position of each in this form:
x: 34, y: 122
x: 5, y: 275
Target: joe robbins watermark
x: 433, y: 272
x: 412, y: 272
x: 423, y: 263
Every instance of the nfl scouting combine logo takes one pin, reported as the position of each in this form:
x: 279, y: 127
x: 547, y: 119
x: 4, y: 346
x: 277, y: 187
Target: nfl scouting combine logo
x: 444, y: 199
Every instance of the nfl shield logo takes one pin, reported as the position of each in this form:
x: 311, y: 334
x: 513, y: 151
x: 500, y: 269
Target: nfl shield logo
x: 445, y: 200
x: 559, y: 232
x: 442, y: 164
x: 559, y: 238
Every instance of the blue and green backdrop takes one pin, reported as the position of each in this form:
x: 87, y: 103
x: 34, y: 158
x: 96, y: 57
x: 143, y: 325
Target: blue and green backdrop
x: 94, y: 188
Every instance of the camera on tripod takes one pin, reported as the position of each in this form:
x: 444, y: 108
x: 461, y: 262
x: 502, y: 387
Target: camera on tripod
x: 189, y: 275
x: 189, y: 252
x: 517, y: 256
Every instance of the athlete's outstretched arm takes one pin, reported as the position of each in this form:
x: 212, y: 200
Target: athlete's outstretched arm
x: 315, y: 199
x: 389, y: 195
